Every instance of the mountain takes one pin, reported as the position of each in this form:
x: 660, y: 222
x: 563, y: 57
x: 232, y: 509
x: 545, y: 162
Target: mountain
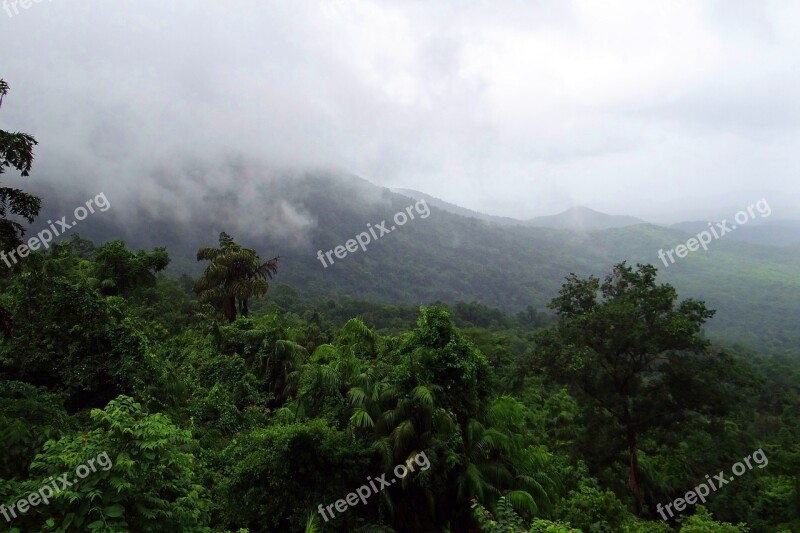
x: 574, y: 218
x: 772, y: 232
x: 584, y: 219
x: 457, y: 210
x: 445, y: 256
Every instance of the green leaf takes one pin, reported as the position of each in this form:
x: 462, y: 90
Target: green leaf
x: 114, y: 511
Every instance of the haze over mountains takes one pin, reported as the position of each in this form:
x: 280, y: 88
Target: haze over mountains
x: 775, y: 231
x: 458, y: 255
x: 576, y: 218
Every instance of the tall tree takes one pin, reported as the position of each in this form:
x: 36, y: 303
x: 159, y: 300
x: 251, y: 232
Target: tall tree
x: 234, y: 275
x: 621, y: 343
x: 121, y: 271
x: 16, y: 150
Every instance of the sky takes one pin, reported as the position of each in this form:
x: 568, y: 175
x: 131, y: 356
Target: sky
x: 662, y: 110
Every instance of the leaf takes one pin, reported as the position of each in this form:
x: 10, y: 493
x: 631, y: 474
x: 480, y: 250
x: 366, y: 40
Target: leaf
x: 423, y: 395
x: 114, y: 511
x: 312, y: 524
x: 522, y: 502
x: 361, y: 418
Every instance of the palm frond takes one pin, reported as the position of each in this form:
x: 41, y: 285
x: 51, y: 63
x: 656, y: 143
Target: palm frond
x: 330, y: 378
x: 312, y: 523
x: 357, y: 396
x: 402, y: 436
x: 361, y: 419
x: 423, y: 395
x: 471, y: 484
x: 523, y: 503
x: 325, y: 353
x: 384, y: 449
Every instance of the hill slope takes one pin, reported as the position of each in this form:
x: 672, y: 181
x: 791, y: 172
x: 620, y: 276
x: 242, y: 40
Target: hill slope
x: 584, y: 219
x: 756, y: 289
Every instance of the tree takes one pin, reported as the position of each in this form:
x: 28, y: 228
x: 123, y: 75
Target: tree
x: 620, y: 344
x: 499, y: 459
x: 274, y: 476
x: 234, y: 274
x: 437, y: 352
x: 506, y: 520
x: 69, y: 338
x: 29, y: 416
x: 121, y: 271
x: 16, y: 150
x: 148, y: 481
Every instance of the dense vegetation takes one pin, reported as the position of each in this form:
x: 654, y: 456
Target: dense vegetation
x: 218, y: 425
x: 224, y: 413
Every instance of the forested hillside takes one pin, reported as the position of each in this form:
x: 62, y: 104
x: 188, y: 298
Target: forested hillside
x: 258, y: 423
x: 755, y: 288
x: 294, y: 267
x: 256, y: 394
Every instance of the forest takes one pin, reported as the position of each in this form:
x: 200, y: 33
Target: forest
x: 217, y: 419
x: 223, y: 402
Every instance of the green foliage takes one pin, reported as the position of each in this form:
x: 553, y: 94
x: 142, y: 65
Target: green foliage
x: 702, y: 522
x: 150, y: 485
x: 121, y: 271
x: 29, y: 417
x: 506, y: 520
x: 592, y: 509
x: 634, y: 353
x: 217, y: 389
x: 257, y: 422
x: 16, y: 151
x: 234, y: 274
x: 438, y: 353
x: 68, y: 337
x: 272, y: 475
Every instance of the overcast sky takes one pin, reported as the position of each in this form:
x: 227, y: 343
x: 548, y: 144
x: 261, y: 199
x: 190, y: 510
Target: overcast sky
x: 515, y: 108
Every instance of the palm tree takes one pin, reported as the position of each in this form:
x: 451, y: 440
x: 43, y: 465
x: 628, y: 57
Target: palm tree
x: 235, y: 274
x: 501, y: 462
x: 401, y: 424
x: 279, y: 364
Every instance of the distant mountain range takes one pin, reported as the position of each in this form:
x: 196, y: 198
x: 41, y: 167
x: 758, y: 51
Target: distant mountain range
x: 575, y: 218
x: 455, y: 254
x: 759, y: 231
x: 457, y: 210
x: 584, y: 219
x: 578, y: 218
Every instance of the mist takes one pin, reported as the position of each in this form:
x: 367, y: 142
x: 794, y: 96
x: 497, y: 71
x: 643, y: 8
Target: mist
x: 662, y: 113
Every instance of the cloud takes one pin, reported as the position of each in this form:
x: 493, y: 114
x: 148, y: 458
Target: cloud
x: 512, y: 108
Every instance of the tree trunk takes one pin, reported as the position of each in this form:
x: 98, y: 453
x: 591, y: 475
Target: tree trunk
x: 633, y: 477
x: 229, y: 308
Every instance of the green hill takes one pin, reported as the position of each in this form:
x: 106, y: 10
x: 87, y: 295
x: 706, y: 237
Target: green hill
x: 448, y: 257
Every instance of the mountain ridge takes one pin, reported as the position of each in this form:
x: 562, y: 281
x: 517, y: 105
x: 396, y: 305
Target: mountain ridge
x: 449, y: 257
x: 578, y: 218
